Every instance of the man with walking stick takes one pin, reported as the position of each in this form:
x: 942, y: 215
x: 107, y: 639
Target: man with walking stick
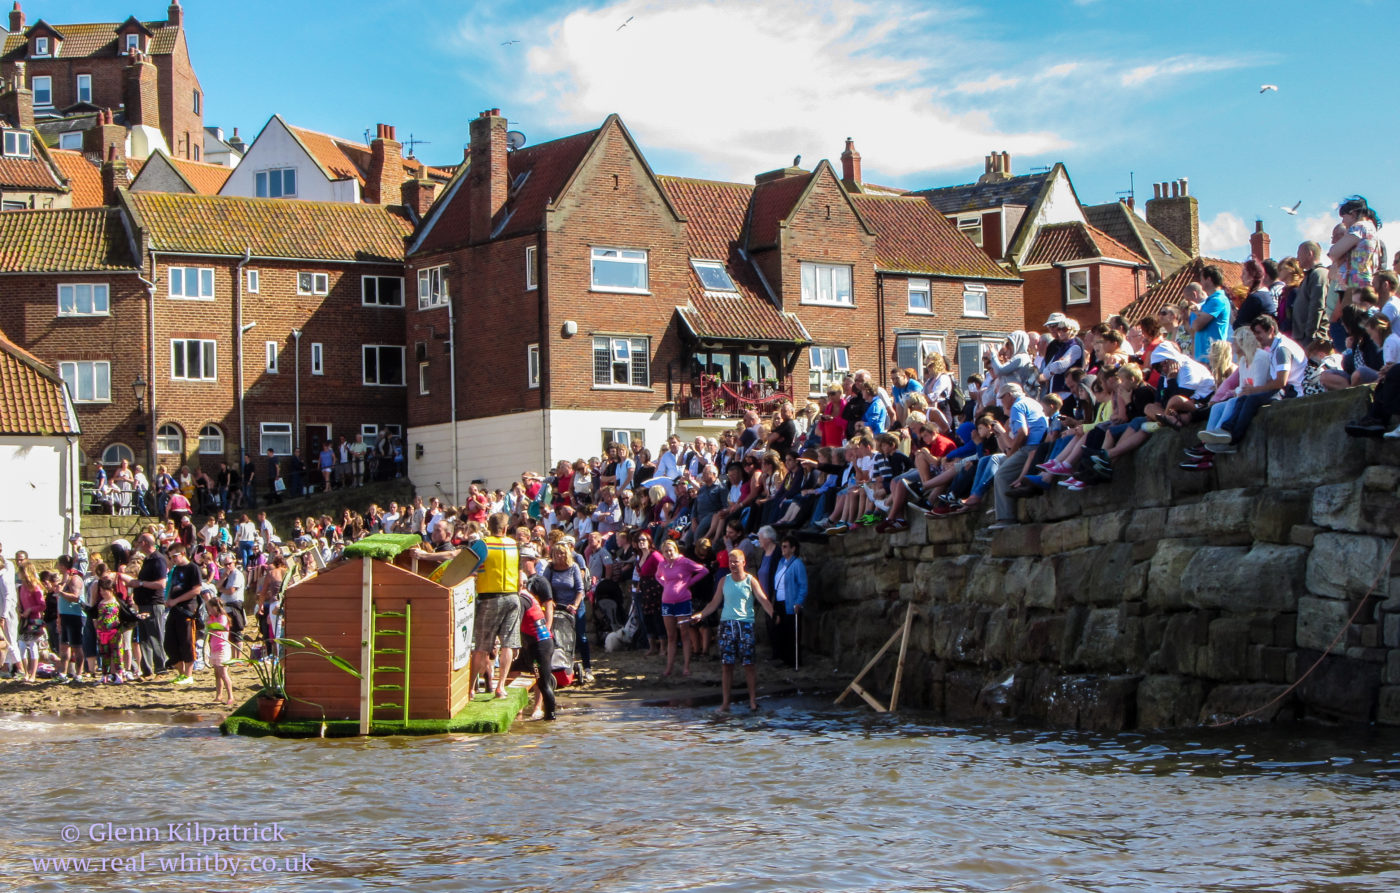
x: 789, y: 593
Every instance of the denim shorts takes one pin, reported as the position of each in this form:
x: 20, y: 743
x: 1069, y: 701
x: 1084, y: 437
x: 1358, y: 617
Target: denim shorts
x: 676, y: 609
x: 70, y: 630
x: 736, y: 642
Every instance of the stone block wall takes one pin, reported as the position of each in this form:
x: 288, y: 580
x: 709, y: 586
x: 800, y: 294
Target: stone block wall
x: 1167, y: 598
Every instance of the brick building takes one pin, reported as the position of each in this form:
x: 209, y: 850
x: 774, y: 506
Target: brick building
x: 141, y: 68
x: 592, y: 300
x: 1082, y: 272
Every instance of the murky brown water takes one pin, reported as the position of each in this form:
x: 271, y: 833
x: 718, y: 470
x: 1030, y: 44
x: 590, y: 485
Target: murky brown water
x: 798, y: 798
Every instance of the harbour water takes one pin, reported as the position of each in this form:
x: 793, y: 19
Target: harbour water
x: 800, y: 797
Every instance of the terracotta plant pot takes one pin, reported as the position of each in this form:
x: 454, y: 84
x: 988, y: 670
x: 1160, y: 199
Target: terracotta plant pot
x: 270, y: 709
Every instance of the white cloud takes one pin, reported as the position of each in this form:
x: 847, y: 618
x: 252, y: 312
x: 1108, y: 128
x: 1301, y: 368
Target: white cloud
x: 1225, y: 236
x: 1179, y: 65
x: 1316, y: 228
x: 989, y: 84
x: 1058, y: 71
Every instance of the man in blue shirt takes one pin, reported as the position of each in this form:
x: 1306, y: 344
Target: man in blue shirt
x: 1026, y: 427
x: 1211, y: 320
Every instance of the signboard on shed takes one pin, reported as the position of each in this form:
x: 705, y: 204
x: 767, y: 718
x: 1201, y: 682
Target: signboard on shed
x: 463, y: 621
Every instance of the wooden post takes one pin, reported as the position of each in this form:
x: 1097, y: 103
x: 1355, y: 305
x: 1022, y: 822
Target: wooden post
x: 902, y: 636
x: 366, y: 644
x: 899, y: 667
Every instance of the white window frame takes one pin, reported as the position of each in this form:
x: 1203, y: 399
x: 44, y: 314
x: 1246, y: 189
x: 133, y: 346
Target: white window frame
x: 532, y: 365
x: 78, y: 85
x: 1069, y: 287
x: 423, y: 389
x: 364, y: 291
x: 203, y: 276
x: 697, y: 265
x: 73, y: 291
x: 41, y: 46
x: 979, y: 344
x: 978, y: 291
x: 271, y: 355
x: 211, y: 444
x: 18, y: 144
x: 620, y: 349
x: 925, y: 344
x: 133, y: 43
x: 47, y: 88
x: 637, y: 256
x: 73, y: 373
x: 72, y: 141
x: 532, y: 270
x: 622, y: 435
x: 318, y: 358
x: 270, y: 436
x: 378, y: 365
x: 826, y: 366
x: 924, y: 287
x: 968, y: 225
x: 262, y: 180
x: 208, y: 354
x: 114, y: 453
x: 432, y: 287
x: 818, y: 278
x: 163, y: 440
x: 254, y: 281
x: 370, y: 433
x: 320, y: 284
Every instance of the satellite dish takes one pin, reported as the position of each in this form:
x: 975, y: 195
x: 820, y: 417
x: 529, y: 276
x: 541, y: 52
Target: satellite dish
x: 514, y: 139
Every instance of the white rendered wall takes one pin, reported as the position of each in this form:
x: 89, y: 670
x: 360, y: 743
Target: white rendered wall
x: 578, y: 433
x: 38, y: 495
x: 275, y: 147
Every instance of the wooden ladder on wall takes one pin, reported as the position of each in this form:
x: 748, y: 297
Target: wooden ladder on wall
x: 901, y: 636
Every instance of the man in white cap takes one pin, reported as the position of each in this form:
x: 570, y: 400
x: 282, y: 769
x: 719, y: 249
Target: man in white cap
x: 1063, y: 352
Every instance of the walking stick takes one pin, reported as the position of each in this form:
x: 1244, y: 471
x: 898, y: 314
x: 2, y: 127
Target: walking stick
x: 796, y: 641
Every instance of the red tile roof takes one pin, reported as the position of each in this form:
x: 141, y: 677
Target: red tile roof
x: 343, y: 159
x: 714, y: 215
x: 223, y: 225
x: 94, y: 39
x: 911, y: 236
x: 28, y: 173
x: 1172, y: 290
x: 84, y: 177
x: 207, y: 179
x: 64, y: 241
x: 1062, y: 242
x: 32, y: 396
x: 772, y: 202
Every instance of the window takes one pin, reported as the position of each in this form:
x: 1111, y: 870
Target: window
x: 826, y: 284
x: 713, y: 275
x: 271, y: 357
x: 82, y: 300
x: 621, y: 362
x: 254, y: 281
x: 828, y: 366
x: 519, y: 181
x: 371, y: 433
x: 532, y: 270
x: 211, y: 440
x: 423, y: 378
x: 313, y: 283
x: 974, y: 300
x: 970, y: 355
x: 17, y: 143
x: 72, y: 141
x: 196, y: 102
x: 41, y: 46
x: 617, y: 269
x: 276, y: 436
x: 116, y: 452
x: 13, y: 206
x: 43, y: 91
x: 972, y: 228
x: 501, y: 224
x: 532, y: 365
x: 192, y: 283
x: 133, y: 43
x: 278, y: 182
x: 88, y: 382
x: 381, y: 291
x: 432, y: 287
x: 170, y: 439
x: 383, y: 365
x: 621, y: 435
x: 196, y: 152
x: 318, y: 359
x: 1076, y: 286
x: 912, y: 349
x: 193, y: 360
x: 85, y: 88
x: 920, y: 296
x: 1162, y: 247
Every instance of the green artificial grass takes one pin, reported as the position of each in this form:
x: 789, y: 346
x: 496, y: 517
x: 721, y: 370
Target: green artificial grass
x: 483, y: 716
x: 384, y: 546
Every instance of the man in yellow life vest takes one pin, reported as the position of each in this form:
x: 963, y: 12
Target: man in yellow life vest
x: 497, y: 608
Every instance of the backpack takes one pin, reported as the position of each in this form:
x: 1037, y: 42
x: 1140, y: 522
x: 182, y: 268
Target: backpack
x: 957, y: 399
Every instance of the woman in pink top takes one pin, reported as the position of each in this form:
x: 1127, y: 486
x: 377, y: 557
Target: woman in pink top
x: 676, y: 575
x: 31, y: 621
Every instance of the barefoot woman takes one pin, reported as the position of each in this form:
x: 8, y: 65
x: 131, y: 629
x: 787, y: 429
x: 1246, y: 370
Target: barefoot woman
x: 736, y: 594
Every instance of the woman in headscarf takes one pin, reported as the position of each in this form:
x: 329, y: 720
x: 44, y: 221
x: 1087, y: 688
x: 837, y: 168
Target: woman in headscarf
x: 1016, y: 365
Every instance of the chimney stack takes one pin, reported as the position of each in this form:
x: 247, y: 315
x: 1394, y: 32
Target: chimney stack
x: 175, y: 16
x: 997, y: 167
x: 114, y: 176
x: 17, y: 102
x: 419, y: 194
x: 142, y: 105
x: 850, y: 166
x: 1174, y: 212
x: 489, y: 178
x: 1259, y: 242
x: 384, y: 182
x: 16, y: 19
x: 105, y: 135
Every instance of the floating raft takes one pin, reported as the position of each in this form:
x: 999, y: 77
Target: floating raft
x: 484, y: 715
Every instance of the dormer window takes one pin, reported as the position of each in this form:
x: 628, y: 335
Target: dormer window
x: 16, y: 144
x: 713, y: 275
x: 41, y: 46
x: 132, y: 44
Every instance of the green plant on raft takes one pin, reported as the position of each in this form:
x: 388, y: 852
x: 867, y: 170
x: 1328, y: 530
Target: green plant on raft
x: 271, y: 672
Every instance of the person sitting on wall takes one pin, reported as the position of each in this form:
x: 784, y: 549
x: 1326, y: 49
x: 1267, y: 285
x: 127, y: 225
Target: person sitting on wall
x: 1287, y: 364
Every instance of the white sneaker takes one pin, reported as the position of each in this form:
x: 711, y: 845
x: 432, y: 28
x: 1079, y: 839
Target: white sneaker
x: 1214, y: 436
x: 1393, y: 433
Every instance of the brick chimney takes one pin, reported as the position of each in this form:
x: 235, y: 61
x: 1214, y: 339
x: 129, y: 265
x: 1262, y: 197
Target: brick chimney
x: 1173, y: 211
x: 489, y: 179
x: 114, y: 176
x: 141, y: 92
x: 174, y: 15
x: 419, y: 195
x: 384, y: 180
x: 1259, y: 242
x: 850, y: 166
x: 16, y: 19
x: 103, y: 135
x: 17, y: 100
x: 996, y: 167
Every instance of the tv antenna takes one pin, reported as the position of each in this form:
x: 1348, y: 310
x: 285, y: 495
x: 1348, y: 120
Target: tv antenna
x: 412, y: 142
x: 514, y: 139
x: 1131, y: 191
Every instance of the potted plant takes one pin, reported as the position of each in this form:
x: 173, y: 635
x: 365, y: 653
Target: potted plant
x: 272, y: 676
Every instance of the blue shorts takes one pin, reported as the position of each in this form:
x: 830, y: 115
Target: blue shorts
x: 70, y: 630
x: 736, y: 642
x: 676, y: 609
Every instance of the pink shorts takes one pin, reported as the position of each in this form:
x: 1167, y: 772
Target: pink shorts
x: 219, y: 653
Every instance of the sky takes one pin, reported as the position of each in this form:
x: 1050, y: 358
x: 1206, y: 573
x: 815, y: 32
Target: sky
x: 1125, y: 93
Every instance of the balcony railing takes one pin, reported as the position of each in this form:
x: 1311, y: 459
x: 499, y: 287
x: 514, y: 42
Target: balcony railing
x: 710, y: 397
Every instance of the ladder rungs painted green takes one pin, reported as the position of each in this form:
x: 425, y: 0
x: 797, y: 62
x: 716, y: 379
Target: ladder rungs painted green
x: 389, y: 632
x: 406, y: 637
x: 387, y: 707
x: 388, y: 651
x: 388, y: 687
x: 388, y: 669
x: 389, y: 614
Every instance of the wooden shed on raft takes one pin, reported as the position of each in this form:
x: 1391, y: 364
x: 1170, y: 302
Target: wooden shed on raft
x: 409, y: 637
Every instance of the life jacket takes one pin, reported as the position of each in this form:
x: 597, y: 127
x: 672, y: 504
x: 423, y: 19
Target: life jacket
x: 501, y: 570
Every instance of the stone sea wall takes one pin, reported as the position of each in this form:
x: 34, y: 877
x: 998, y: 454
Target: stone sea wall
x: 1167, y: 598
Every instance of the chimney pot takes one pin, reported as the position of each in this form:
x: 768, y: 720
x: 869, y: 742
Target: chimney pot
x: 1156, y: 190
x: 1183, y: 186
x: 1130, y: 203
x: 1006, y: 163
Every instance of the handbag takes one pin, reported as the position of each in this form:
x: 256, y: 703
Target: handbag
x: 279, y: 485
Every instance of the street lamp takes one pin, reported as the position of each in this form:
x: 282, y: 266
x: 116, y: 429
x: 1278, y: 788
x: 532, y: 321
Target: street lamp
x: 138, y: 387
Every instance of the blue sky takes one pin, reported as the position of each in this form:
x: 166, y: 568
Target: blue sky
x: 727, y: 89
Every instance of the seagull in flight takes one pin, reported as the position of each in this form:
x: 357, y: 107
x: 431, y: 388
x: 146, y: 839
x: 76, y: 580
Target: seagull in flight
x: 506, y: 43
x: 1293, y: 211
x: 626, y: 23
x: 1268, y: 88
